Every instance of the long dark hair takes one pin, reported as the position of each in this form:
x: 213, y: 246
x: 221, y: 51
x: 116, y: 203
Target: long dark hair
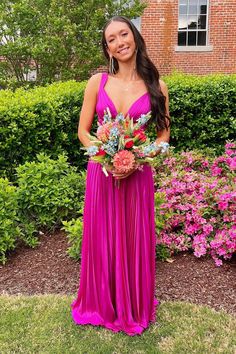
x: 146, y: 70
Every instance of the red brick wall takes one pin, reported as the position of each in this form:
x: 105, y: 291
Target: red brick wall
x: 159, y: 27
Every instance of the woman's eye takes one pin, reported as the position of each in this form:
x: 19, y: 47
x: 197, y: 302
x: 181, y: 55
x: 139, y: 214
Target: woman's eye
x: 111, y: 40
x: 124, y: 34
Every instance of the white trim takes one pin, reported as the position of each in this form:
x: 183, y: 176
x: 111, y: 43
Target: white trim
x: 194, y: 48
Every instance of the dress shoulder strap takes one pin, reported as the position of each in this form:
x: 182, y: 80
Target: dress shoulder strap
x: 104, y: 78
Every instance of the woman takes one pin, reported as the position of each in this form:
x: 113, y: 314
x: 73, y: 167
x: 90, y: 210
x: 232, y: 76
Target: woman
x: 118, y: 249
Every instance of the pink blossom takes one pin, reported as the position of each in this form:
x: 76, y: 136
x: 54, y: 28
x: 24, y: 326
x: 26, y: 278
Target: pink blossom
x: 103, y: 132
x: 201, y: 205
x: 230, y: 145
x: 218, y: 262
x: 233, y: 164
x: 124, y: 161
x: 207, y: 229
x: 216, y: 171
x: 222, y: 205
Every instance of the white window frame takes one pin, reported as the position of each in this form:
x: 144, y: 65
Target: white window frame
x: 196, y: 48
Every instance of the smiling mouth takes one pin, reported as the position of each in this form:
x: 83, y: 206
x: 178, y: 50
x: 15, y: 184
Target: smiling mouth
x: 123, y: 49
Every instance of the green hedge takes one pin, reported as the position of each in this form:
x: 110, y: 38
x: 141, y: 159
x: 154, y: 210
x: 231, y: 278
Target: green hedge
x: 47, y: 193
x: 203, y: 110
x: 9, y: 229
x: 45, y: 119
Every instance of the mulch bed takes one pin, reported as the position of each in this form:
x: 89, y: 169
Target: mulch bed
x: 48, y: 269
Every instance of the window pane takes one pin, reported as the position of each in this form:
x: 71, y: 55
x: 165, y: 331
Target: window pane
x: 192, y: 9
x: 137, y: 22
x: 202, y: 6
x: 183, y: 9
x: 182, y: 38
x: 202, y: 22
x: 203, y: 9
x: 183, y: 2
x: 182, y: 22
x: 201, y: 40
x: 192, y: 36
x: 192, y: 22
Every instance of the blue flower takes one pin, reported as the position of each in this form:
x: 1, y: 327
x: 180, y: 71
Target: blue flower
x: 111, y: 147
x: 153, y: 147
x: 143, y: 119
x: 114, y: 132
x: 106, y: 118
x: 120, y: 118
x: 92, y: 150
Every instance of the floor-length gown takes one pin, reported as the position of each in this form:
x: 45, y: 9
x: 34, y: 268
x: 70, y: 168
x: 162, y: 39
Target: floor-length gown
x: 117, y: 281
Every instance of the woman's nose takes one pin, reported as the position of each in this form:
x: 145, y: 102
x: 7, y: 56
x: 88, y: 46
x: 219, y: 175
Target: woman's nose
x: 120, y: 41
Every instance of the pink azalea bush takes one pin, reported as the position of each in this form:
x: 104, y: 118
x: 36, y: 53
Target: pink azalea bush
x: 200, y: 203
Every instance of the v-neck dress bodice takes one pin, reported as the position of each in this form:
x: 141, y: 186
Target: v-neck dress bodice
x: 140, y: 106
x: 117, y: 281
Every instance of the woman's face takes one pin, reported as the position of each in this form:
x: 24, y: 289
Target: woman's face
x: 120, y: 41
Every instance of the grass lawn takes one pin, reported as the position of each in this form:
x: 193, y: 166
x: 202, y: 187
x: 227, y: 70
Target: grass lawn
x: 43, y: 324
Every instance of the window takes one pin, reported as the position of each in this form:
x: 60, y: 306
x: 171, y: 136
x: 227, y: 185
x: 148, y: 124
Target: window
x: 137, y: 22
x: 193, y: 22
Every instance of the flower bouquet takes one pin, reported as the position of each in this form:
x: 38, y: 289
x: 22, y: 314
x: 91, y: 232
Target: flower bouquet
x: 121, y: 144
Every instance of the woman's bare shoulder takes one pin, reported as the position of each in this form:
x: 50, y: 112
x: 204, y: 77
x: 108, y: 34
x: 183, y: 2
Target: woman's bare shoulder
x: 163, y: 84
x: 94, y: 82
x: 164, y: 88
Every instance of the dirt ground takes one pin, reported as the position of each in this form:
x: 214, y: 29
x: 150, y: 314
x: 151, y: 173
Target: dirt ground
x: 48, y: 269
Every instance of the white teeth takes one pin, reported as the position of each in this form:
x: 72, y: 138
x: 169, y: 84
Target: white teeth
x: 124, y: 49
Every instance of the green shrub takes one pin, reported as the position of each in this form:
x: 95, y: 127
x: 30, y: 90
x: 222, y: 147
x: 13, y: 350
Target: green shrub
x: 9, y: 230
x: 162, y: 251
x: 45, y: 119
x: 39, y: 120
x: 49, y: 191
x: 203, y: 111
x: 74, y: 229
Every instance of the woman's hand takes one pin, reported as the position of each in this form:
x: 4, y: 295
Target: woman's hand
x: 154, y: 153
x: 118, y: 175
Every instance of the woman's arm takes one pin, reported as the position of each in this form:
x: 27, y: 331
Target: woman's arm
x: 88, y: 109
x: 164, y: 135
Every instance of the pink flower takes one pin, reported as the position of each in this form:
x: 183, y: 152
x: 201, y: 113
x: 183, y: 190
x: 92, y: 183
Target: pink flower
x: 229, y: 152
x: 230, y: 145
x: 103, y: 132
x: 226, y: 218
x: 208, y: 228
x: 218, y: 262
x: 232, y: 164
x: 216, y: 171
x: 124, y: 161
x: 222, y: 205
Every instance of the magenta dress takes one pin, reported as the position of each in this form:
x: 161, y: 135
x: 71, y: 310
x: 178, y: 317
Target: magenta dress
x: 117, y: 281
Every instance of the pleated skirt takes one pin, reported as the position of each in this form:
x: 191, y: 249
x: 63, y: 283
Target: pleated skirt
x: 117, y: 283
